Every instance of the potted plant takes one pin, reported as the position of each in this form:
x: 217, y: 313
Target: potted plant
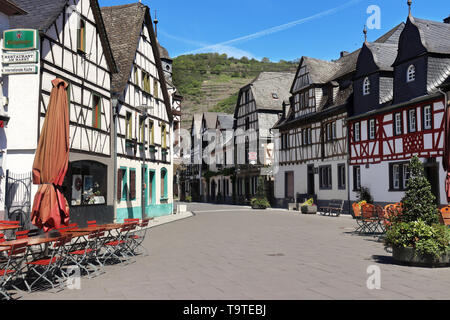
x: 415, y: 236
x: 260, y: 200
x: 308, y: 207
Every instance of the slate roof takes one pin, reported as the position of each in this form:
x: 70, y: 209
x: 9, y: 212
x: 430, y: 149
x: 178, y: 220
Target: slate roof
x: 269, y: 83
x: 320, y: 70
x: 435, y: 35
x: 348, y: 62
x: 41, y: 14
x: 123, y: 24
x: 163, y: 53
x: 10, y: 8
x: 225, y: 121
x: 384, y: 54
x: 211, y: 119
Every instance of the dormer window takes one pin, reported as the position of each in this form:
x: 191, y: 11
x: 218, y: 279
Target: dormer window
x: 411, y: 73
x: 366, y: 86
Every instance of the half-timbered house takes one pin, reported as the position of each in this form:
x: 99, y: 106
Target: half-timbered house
x: 399, y: 111
x: 258, y: 108
x: 143, y: 116
x: 312, y: 148
x: 72, y: 44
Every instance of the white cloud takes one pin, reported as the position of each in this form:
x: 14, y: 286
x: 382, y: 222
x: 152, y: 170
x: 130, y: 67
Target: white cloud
x: 228, y: 50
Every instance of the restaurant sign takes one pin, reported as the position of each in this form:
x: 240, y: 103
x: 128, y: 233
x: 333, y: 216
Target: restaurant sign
x: 20, y: 69
x: 21, y: 39
x: 20, y: 57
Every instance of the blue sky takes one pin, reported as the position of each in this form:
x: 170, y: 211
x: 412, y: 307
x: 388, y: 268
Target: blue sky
x: 277, y: 29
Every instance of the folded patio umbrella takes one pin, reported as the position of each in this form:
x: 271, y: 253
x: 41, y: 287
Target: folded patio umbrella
x: 446, y: 157
x: 50, y: 208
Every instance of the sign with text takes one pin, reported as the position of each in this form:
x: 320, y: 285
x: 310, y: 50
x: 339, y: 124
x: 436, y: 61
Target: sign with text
x: 21, y: 39
x: 20, y: 57
x: 20, y: 69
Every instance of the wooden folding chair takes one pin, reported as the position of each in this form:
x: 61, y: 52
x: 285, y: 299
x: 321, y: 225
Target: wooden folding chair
x: 445, y: 216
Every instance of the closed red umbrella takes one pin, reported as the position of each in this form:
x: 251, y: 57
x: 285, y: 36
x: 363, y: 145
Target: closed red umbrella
x: 50, y: 208
x: 446, y: 157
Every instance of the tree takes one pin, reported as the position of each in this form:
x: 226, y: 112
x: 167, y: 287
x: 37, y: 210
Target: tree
x: 419, y: 201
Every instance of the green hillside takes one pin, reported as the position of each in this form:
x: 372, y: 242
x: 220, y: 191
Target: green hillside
x: 211, y: 82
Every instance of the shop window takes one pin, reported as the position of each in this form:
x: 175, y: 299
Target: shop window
x: 164, y: 191
x: 356, y: 178
x: 89, y: 183
x: 151, y: 187
x: 122, y: 185
x: 341, y: 176
x: 399, y: 175
x: 325, y: 177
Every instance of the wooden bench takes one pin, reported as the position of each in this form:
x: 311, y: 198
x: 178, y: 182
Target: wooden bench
x: 445, y: 216
x: 335, y: 207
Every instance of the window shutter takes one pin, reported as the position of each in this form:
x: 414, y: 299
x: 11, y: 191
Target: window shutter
x: 119, y: 184
x: 132, y: 184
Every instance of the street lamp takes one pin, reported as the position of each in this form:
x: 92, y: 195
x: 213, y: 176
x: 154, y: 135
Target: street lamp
x: 143, y: 109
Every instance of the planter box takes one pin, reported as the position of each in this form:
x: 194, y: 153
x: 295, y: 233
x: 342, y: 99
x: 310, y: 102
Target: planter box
x: 408, y: 256
x: 308, y: 209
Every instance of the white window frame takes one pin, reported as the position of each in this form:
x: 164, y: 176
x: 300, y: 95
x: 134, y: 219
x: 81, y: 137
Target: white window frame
x: 366, y: 86
x: 372, y: 129
x: 398, y: 123
x: 406, y: 175
x: 427, y: 118
x: 356, y: 131
x: 412, y: 124
x: 396, y: 176
x: 411, y: 73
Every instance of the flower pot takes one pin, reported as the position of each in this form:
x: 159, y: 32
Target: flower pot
x: 308, y: 209
x: 409, y: 256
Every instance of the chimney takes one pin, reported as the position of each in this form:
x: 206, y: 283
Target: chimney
x: 344, y: 53
x: 447, y: 20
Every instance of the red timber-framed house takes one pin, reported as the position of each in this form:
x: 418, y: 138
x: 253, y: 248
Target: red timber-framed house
x: 399, y: 111
x: 143, y: 115
x: 312, y: 144
x: 73, y: 46
x: 258, y: 108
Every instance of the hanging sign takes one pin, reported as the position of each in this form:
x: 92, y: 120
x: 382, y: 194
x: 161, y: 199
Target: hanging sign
x: 21, y: 39
x: 20, y: 57
x: 20, y: 69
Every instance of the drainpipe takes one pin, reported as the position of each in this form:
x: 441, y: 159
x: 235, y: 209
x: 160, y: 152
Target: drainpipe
x: 115, y: 105
x: 445, y: 117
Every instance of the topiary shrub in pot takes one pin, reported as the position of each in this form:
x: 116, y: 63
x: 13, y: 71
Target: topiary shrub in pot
x: 260, y: 200
x: 416, y: 236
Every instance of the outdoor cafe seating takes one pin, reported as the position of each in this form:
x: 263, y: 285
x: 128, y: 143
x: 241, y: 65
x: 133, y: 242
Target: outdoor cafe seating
x: 374, y: 219
x: 29, y: 263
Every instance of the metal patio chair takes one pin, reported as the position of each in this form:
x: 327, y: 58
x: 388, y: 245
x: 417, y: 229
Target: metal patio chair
x: 11, y: 267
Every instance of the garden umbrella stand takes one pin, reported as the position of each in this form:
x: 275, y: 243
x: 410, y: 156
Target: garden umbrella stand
x: 50, y: 208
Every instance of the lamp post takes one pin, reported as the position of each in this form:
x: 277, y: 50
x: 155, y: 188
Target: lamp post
x: 115, y: 105
x: 144, y: 109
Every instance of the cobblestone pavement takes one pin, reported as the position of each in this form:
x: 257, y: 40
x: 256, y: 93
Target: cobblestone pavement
x: 229, y: 252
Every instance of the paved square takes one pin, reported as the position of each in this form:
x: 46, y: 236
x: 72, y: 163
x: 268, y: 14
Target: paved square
x: 230, y: 252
